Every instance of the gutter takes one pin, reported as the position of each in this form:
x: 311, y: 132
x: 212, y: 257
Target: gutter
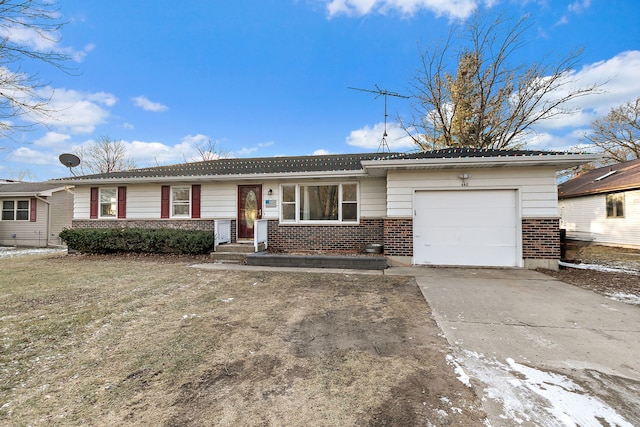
x: 560, y: 161
x: 216, y: 178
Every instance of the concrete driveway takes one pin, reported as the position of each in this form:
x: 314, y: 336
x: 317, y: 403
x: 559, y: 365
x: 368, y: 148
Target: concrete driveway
x: 537, y: 351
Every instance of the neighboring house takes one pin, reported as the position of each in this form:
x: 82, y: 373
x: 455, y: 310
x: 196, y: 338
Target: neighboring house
x: 445, y: 207
x: 603, y: 205
x: 34, y: 213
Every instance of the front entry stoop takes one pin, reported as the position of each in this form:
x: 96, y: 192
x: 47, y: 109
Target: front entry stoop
x: 232, y: 252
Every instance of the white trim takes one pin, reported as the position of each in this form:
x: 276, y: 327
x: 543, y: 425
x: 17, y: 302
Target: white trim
x: 171, y: 201
x: 298, y: 221
x: 113, y: 203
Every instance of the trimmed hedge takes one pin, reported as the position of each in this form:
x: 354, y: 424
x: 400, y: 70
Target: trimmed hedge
x: 138, y: 240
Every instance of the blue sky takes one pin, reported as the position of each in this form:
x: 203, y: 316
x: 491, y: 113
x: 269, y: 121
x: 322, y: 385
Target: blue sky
x: 270, y: 77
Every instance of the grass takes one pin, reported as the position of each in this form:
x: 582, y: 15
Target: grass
x: 152, y: 341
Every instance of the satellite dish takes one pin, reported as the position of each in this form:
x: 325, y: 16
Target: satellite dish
x: 69, y: 160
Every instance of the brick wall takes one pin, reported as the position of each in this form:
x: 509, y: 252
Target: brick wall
x: 348, y: 238
x: 540, y: 238
x: 398, y: 236
x: 178, y: 224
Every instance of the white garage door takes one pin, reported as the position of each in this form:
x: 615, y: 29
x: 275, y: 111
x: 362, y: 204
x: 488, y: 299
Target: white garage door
x: 475, y: 227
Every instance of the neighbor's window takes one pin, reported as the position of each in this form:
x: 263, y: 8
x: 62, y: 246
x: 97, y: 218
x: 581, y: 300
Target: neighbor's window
x: 180, y: 201
x: 108, y: 202
x: 15, y: 210
x: 615, y: 205
x: 320, y: 203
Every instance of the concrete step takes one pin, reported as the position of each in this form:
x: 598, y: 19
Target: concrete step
x: 236, y: 248
x: 231, y: 257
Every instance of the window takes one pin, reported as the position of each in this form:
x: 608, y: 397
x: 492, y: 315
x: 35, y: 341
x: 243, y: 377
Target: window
x: 108, y: 202
x: 615, y: 205
x: 180, y: 201
x: 319, y: 203
x: 15, y: 210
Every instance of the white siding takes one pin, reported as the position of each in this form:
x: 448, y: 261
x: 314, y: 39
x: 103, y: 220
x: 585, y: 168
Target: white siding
x: 26, y: 233
x: 143, y: 201
x: 81, y: 201
x: 219, y: 199
x: 373, y: 198
x: 585, y: 218
x: 537, y: 187
x: 61, y: 205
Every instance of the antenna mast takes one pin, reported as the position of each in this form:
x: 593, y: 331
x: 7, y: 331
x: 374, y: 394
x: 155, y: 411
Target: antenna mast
x: 382, y: 92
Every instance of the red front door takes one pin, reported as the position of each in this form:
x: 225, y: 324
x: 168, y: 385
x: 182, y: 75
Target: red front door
x: 249, y: 209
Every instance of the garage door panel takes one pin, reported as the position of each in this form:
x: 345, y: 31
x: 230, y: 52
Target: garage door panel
x: 473, y: 236
x: 476, y: 227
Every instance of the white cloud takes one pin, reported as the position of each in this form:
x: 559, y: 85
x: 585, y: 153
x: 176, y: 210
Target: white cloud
x: 454, y: 9
x: 52, y: 139
x: 320, y: 152
x: 620, y: 84
x: 147, y: 105
x: 245, y: 151
x: 41, y: 41
x: 74, y: 111
x: 579, y: 5
x: 370, y: 138
x: 27, y: 155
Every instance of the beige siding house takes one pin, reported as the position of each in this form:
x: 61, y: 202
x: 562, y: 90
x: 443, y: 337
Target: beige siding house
x: 603, y: 205
x: 33, y: 214
x: 445, y: 207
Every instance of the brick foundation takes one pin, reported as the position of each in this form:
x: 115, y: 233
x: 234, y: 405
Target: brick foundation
x: 541, y: 238
x: 338, y: 238
x: 398, y: 237
x: 177, y: 224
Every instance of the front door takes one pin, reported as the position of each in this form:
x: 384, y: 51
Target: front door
x: 249, y: 209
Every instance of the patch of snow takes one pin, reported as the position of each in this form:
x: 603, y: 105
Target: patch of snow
x: 461, y: 374
x: 227, y: 300
x: 10, y: 252
x: 597, y: 267
x: 622, y: 297
x: 531, y: 395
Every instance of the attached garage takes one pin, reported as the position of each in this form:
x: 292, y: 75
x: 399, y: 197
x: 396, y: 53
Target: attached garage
x: 466, y: 227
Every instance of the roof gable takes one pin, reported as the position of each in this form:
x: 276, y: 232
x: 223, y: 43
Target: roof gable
x: 608, y: 179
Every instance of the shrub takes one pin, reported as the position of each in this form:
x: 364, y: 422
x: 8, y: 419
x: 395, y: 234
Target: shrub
x: 138, y: 240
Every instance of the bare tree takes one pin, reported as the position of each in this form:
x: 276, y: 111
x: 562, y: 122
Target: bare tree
x: 104, y: 156
x: 209, y: 151
x: 618, y: 133
x: 488, y: 101
x: 29, y: 33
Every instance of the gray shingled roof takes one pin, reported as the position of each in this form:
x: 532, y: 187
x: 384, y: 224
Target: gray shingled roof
x: 297, y: 164
x: 27, y: 188
x: 618, y: 177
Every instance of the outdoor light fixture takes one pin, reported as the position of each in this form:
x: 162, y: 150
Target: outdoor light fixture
x: 270, y: 192
x: 464, y: 177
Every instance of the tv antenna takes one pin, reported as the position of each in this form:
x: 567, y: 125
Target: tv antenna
x: 382, y: 92
x: 70, y: 161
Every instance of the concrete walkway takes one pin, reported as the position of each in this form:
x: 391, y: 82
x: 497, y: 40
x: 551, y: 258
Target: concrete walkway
x: 537, y: 351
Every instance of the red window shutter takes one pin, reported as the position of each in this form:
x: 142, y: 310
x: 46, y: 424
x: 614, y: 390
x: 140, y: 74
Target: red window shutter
x: 33, y: 205
x: 195, y: 201
x: 165, y: 201
x: 122, y: 202
x: 93, y: 209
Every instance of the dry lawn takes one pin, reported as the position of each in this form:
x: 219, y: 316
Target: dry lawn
x: 152, y: 341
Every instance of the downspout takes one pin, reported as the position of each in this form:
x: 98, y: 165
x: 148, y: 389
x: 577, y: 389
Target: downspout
x: 48, y: 216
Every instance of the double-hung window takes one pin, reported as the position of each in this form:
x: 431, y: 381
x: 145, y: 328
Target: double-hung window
x: 180, y: 202
x: 319, y: 203
x: 108, y: 202
x: 15, y: 210
x: 615, y: 205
